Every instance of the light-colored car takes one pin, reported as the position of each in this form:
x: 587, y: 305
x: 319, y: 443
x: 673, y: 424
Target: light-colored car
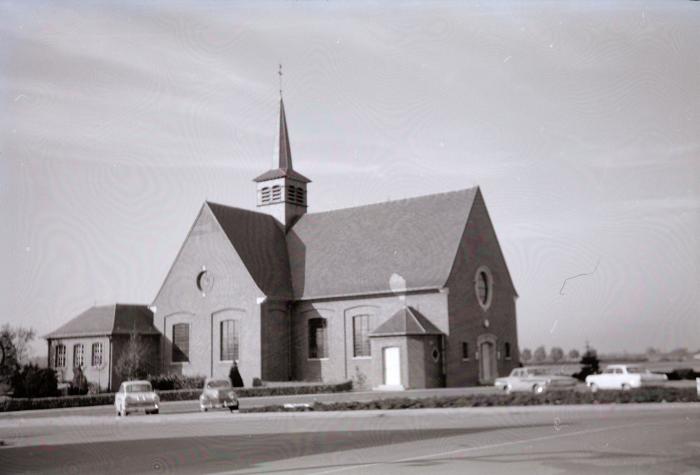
x: 623, y: 377
x: 218, y: 392
x: 533, y: 380
x: 135, y: 396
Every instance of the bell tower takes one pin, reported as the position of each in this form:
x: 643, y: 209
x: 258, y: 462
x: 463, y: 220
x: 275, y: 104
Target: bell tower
x: 282, y: 191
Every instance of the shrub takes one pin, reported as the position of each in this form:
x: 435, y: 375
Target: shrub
x: 79, y: 385
x: 590, y: 364
x: 257, y: 383
x: 170, y: 382
x: 682, y: 373
x: 34, y: 382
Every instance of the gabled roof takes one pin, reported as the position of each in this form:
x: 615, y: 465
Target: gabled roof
x: 370, y: 249
x: 284, y: 155
x: 407, y: 321
x: 106, y: 320
x: 258, y: 239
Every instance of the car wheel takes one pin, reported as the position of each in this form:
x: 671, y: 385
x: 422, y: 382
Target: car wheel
x: 234, y: 408
x: 507, y: 389
x: 155, y: 411
x: 202, y: 408
x: 625, y: 387
x: 593, y: 387
x: 537, y: 389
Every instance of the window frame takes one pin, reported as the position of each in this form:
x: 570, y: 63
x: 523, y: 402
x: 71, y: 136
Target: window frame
x: 488, y: 281
x: 323, y: 326
x: 507, y: 350
x: 365, y: 343
x: 236, y: 340
x: 465, y: 351
x: 82, y: 355
x: 176, y: 348
x: 97, y: 344
x: 59, y: 356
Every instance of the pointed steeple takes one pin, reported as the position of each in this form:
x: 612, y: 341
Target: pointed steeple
x: 284, y: 154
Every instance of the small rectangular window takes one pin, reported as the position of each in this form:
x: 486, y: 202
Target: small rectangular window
x: 318, y: 342
x: 360, y: 331
x: 60, y: 356
x: 181, y: 343
x: 97, y: 354
x: 78, y: 355
x: 465, y: 350
x: 506, y: 350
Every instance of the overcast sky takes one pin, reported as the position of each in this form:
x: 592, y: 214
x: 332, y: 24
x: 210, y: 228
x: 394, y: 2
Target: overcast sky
x: 580, y: 122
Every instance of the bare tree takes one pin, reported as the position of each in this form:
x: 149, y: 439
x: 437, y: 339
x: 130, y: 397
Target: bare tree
x: 540, y: 354
x: 20, y: 337
x: 556, y: 353
x: 133, y: 363
x: 526, y: 355
x: 574, y: 354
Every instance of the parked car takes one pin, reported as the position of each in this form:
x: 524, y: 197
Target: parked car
x: 134, y: 396
x: 533, y: 380
x: 218, y: 393
x: 623, y: 377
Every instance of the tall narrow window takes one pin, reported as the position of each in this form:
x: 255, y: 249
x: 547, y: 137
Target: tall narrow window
x: 78, y: 355
x: 97, y: 354
x: 276, y: 193
x: 229, y: 340
x: 506, y: 350
x: 465, y: 350
x: 318, y: 343
x: 181, y: 343
x: 360, y: 331
x: 60, y: 356
x: 483, y: 286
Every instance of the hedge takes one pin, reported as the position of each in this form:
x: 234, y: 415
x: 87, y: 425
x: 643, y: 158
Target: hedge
x: 22, y: 404
x: 643, y: 395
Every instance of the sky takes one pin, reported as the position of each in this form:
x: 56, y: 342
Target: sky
x: 579, y: 121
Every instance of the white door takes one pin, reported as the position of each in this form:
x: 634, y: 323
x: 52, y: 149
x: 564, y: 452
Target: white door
x: 392, y: 366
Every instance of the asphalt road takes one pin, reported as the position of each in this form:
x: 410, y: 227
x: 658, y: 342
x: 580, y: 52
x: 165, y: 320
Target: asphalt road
x: 180, y: 407
x: 653, y: 438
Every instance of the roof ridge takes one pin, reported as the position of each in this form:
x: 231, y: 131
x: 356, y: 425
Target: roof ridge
x: 381, y: 203
x: 417, y: 320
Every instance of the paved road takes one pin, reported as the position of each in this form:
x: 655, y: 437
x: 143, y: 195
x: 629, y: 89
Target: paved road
x: 178, y: 407
x: 660, y: 438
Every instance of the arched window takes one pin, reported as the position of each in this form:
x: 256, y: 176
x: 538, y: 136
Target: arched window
x: 276, y: 193
x: 181, y: 343
x: 483, y: 286
x: 265, y: 195
x: 78, y: 356
x: 318, y: 338
x: 228, y: 349
x: 60, y: 356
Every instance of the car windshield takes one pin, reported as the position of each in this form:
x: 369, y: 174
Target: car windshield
x: 139, y: 388
x: 219, y: 384
x: 536, y: 372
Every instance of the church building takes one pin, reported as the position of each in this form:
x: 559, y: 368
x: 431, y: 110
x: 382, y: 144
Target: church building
x: 412, y: 293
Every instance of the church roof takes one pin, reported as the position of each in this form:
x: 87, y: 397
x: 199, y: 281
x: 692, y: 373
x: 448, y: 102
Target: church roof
x: 407, y: 321
x: 406, y: 244
x: 106, y: 320
x: 284, y: 155
x: 259, y: 240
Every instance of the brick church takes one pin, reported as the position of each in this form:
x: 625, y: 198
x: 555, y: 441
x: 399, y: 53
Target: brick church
x: 412, y: 293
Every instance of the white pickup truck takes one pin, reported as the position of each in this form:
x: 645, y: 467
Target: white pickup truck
x: 623, y: 377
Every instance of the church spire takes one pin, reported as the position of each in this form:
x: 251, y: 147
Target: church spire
x: 284, y: 151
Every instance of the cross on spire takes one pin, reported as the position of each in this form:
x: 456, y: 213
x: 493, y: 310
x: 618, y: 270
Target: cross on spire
x: 280, y: 75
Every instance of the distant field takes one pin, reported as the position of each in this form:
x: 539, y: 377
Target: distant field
x: 661, y: 366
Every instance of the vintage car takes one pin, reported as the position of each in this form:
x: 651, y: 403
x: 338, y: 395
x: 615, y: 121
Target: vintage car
x: 623, y: 377
x: 533, y: 380
x: 134, y: 396
x: 218, y: 393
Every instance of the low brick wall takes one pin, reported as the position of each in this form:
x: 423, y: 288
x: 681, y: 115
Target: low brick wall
x: 23, y: 404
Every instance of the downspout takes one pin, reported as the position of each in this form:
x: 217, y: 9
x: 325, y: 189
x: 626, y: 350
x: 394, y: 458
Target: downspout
x: 111, y: 359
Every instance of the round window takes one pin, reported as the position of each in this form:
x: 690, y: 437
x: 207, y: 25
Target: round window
x: 483, y: 286
x: 205, y: 281
x: 436, y: 355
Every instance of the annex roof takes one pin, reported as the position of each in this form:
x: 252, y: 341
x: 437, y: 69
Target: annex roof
x: 407, y: 244
x: 258, y: 238
x: 106, y: 320
x: 406, y: 321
